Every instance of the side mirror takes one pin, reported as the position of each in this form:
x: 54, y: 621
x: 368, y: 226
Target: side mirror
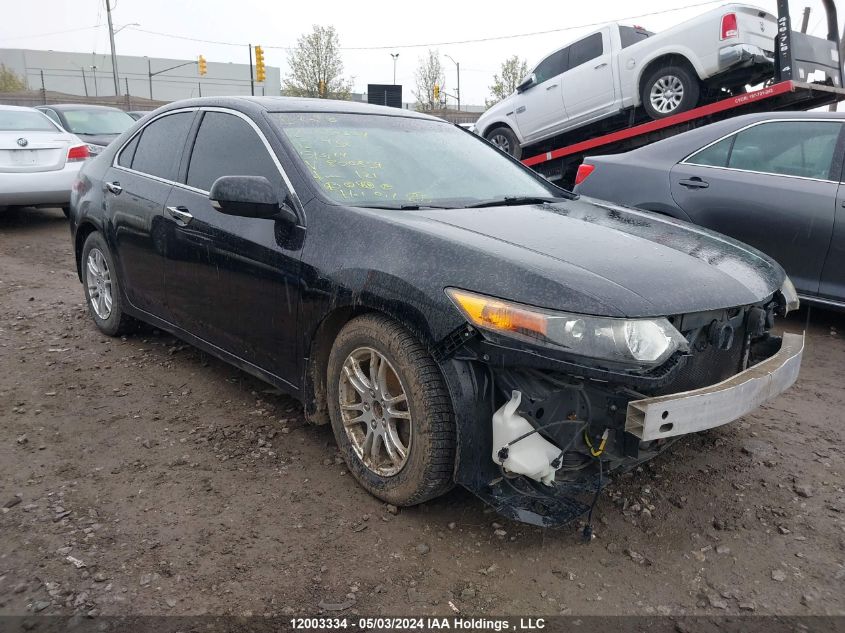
x: 248, y: 197
x: 526, y: 83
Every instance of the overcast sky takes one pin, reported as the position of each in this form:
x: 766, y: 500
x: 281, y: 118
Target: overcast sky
x: 360, y: 24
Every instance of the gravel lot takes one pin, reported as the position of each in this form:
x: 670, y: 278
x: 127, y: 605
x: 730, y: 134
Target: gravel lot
x: 142, y: 476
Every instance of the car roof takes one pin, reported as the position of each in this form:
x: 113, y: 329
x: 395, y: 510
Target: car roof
x: 298, y: 104
x: 77, y: 106
x: 18, y: 108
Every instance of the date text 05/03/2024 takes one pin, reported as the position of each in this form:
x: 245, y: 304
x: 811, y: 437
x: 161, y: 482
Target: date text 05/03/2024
x: 420, y: 624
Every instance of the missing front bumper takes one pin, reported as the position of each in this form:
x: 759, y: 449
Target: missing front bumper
x: 709, y: 407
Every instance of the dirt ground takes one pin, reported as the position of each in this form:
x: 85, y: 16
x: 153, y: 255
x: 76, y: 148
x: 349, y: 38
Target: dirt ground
x: 141, y: 476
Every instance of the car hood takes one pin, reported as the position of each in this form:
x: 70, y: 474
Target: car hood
x: 499, y: 109
x: 618, y: 261
x: 98, y: 139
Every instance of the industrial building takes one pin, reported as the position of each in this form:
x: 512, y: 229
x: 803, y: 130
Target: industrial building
x: 162, y: 79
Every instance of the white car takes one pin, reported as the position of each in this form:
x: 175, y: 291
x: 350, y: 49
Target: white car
x: 38, y: 160
x: 619, y: 67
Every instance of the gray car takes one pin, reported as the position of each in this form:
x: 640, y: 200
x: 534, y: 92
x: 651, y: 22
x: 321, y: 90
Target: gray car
x: 771, y: 180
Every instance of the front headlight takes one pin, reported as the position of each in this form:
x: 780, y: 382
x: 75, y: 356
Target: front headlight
x: 790, y: 296
x: 94, y: 150
x: 631, y: 342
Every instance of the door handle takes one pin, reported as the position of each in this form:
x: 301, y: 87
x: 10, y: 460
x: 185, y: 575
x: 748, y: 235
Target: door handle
x: 602, y: 65
x: 552, y: 86
x: 180, y: 214
x: 694, y: 183
x: 114, y: 187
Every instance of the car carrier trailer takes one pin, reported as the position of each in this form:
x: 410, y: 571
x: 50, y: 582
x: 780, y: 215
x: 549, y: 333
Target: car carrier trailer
x: 799, y: 59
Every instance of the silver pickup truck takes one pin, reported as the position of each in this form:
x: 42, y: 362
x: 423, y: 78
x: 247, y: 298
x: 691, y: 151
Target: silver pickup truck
x: 619, y: 67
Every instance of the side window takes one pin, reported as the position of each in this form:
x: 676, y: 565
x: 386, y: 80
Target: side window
x: 128, y: 152
x: 789, y: 148
x: 160, y: 148
x: 585, y: 50
x: 226, y: 145
x: 714, y: 156
x: 552, y: 66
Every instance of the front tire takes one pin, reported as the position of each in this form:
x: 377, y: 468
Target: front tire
x: 670, y: 90
x: 504, y: 138
x: 102, y: 287
x: 391, y: 412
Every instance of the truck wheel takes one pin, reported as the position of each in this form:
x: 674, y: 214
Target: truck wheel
x: 670, y: 90
x: 391, y: 412
x: 102, y: 287
x: 505, y: 140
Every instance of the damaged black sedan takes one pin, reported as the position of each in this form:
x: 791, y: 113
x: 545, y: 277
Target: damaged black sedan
x: 453, y: 316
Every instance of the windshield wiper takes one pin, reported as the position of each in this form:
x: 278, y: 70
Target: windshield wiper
x: 401, y: 207
x: 509, y: 201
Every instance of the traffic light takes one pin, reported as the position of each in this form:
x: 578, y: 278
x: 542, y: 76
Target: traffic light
x: 437, y: 92
x: 260, y: 69
x: 202, y: 67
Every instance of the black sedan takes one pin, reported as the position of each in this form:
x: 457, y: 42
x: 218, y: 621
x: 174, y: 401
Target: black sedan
x: 771, y: 180
x: 454, y: 317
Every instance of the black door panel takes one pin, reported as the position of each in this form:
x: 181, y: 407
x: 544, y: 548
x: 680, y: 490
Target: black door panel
x: 136, y: 215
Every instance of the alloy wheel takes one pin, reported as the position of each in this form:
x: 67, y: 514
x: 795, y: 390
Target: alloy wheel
x: 666, y: 94
x: 374, y: 411
x: 98, y: 281
x: 501, y: 141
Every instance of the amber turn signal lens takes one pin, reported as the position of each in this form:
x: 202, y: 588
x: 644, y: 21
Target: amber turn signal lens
x: 492, y: 314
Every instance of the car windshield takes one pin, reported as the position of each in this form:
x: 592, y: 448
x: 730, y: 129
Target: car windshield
x: 25, y: 121
x: 374, y: 160
x: 97, y: 121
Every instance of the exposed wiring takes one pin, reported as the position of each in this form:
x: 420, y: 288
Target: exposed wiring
x: 588, y: 529
x: 596, y: 452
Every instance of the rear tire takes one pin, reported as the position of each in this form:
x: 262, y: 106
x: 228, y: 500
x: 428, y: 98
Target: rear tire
x: 393, y: 424
x: 504, y: 138
x: 103, y: 292
x: 670, y: 90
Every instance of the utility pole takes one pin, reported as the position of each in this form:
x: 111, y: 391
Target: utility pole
x: 150, y: 76
x: 395, y: 56
x: 251, y: 77
x: 113, y: 55
x: 43, y: 90
x: 84, y: 82
x: 458, y: 89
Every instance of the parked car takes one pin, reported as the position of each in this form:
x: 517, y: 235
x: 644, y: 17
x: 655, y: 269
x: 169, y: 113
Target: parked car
x: 771, y: 180
x: 96, y: 125
x: 38, y: 161
x: 454, y: 320
x: 138, y: 114
x: 619, y: 67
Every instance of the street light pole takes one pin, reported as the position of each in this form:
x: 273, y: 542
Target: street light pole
x: 113, y: 55
x: 395, y: 56
x: 458, y: 89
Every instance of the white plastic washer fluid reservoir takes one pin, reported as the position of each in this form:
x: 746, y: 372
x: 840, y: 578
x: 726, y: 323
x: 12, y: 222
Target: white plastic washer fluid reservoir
x: 531, y: 456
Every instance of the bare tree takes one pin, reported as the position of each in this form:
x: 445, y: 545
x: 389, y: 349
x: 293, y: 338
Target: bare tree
x: 316, y: 69
x: 429, y: 75
x: 513, y: 72
x: 10, y: 81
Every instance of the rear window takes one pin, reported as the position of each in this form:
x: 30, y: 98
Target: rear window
x: 25, y: 121
x: 585, y: 50
x: 632, y: 34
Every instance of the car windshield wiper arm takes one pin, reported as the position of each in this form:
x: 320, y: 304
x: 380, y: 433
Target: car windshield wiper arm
x: 402, y: 207
x: 514, y: 201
